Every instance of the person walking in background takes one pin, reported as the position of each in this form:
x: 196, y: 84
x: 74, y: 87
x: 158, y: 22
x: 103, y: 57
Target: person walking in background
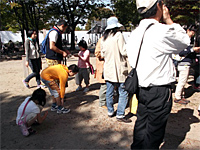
x: 155, y: 70
x: 29, y: 112
x: 83, y: 64
x: 58, y: 72
x: 115, y: 67
x: 99, y: 74
x: 188, y: 56
x: 196, y: 86
x: 32, y: 59
x: 55, y: 54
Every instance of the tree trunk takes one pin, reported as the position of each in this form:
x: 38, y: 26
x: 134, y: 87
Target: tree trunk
x: 72, y: 40
x: 23, y: 39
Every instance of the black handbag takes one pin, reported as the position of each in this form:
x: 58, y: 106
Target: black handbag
x: 131, y: 82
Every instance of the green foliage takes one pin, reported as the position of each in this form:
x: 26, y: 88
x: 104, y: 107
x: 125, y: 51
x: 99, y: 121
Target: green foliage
x: 126, y: 12
x: 78, y: 28
x: 6, y: 15
x: 97, y: 14
x: 184, y: 12
x: 88, y: 25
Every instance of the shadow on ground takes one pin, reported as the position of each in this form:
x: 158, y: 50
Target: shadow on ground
x: 177, y: 127
x: 80, y: 129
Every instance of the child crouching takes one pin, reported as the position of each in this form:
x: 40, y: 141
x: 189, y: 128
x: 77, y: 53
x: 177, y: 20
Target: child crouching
x: 29, y: 112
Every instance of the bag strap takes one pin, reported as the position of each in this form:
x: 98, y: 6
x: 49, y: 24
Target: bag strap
x: 141, y: 44
x: 24, y: 108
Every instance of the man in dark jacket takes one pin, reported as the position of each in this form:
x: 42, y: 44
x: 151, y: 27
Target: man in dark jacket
x: 55, y: 54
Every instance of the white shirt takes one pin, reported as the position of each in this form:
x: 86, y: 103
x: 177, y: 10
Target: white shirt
x: 53, y: 35
x: 155, y: 66
x: 30, y: 108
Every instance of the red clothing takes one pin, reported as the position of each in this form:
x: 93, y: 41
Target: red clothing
x: 84, y: 59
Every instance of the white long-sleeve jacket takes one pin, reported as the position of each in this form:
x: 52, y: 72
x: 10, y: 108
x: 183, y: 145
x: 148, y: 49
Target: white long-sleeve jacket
x: 155, y: 66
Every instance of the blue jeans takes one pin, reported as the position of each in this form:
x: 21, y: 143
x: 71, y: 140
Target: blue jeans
x: 35, y: 65
x: 123, y: 98
x: 54, y: 93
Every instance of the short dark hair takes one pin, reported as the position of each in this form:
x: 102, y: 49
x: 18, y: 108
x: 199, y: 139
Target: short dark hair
x: 30, y: 32
x: 74, y: 68
x: 83, y: 44
x: 151, y: 12
x: 40, y: 96
x: 62, y: 22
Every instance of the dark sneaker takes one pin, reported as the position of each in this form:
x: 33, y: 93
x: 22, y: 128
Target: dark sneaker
x: 86, y: 90
x: 79, y: 88
x: 180, y: 101
x: 63, y: 110
x: 54, y: 108
x: 185, y: 100
x: 25, y: 84
x: 31, y: 131
x: 124, y: 120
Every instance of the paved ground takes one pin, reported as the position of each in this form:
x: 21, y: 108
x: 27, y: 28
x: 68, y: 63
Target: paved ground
x: 87, y: 126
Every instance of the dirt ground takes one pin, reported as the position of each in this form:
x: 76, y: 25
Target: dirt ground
x: 87, y: 126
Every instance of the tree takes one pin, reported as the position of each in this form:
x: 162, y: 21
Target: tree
x: 98, y: 14
x: 184, y: 11
x: 78, y: 28
x: 75, y: 11
x: 7, y: 21
x: 126, y: 12
x: 23, y: 15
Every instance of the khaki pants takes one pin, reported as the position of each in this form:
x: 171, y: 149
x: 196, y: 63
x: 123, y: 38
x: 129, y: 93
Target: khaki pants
x: 52, y: 62
x: 183, y: 76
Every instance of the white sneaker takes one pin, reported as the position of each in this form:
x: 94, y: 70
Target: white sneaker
x: 86, y: 90
x: 110, y: 114
x: 79, y: 88
x: 41, y: 86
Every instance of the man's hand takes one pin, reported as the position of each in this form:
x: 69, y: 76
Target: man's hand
x: 166, y: 16
x: 67, y: 52
x: 64, y: 54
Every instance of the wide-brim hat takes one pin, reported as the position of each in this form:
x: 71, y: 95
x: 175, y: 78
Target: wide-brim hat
x: 146, y: 4
x: 113, y: 22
